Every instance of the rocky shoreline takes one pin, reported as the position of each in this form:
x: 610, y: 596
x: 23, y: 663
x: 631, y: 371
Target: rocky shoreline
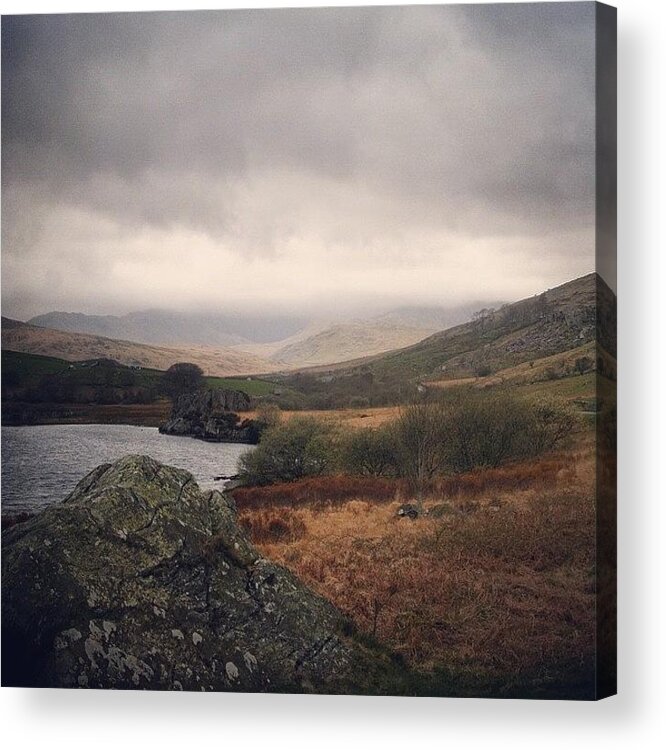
x: 211, y: 415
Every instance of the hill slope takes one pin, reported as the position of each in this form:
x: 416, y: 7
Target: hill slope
x: 555, y: 321
x: 23, y: 337
x: 568, y: 317
x: 346, y: 341
x: 282, y: 339
x: 325, y: 343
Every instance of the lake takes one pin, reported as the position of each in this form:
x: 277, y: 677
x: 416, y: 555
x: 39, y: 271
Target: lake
x: 42, y: 464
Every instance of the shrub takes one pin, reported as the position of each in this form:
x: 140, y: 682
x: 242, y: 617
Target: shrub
x: 550, y: 423
x: 369, y: 452
x: 268, y: 415
x: 302, y: 447
x: 583, y: 365
x: 419, y: 434
x: 485, y: 430
x: 482, y: 371
x: 481, y: 430
x: 183, y: 377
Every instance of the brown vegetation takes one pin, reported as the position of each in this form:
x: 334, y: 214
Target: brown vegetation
x: 496, y: 591
x: 318, y: 492
x: 214, y: 360
x: 346, y: 418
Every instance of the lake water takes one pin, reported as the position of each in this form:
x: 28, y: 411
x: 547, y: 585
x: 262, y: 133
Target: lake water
x: 42, y: 464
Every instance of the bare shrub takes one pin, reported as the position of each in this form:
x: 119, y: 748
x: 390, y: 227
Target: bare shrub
x: 489, y: 429
x: 419, y: 438
x: 369, y: 452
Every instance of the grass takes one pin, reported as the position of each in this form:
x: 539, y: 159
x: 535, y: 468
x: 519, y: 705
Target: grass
x: 494, y: 596
x: 571, y: 388
x: 345, y: 418
x: 253, y: 386
x: 29, y: 368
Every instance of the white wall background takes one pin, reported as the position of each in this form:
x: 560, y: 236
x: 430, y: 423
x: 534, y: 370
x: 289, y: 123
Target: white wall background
x: 70, y: 719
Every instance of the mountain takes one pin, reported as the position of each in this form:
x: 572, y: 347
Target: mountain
x: 433, y: 318
x: 345, y: 341
x: 23, y: 337
x: 168, y: 328
x: 558, y: 320
x: 292, y: 341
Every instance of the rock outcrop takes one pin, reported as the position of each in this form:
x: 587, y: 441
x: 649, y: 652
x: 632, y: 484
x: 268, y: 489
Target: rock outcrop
x: 141, y: 580
x: 210, y: 415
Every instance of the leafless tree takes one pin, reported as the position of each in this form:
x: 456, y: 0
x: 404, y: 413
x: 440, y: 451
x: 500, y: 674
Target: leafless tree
x: 419, y: 442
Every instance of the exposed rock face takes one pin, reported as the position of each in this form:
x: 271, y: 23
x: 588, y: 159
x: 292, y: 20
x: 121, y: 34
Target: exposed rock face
x: 209, y: 415
x: 141, y: 580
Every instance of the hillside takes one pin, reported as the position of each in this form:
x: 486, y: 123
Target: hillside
x: 433, y: 318
x: 287, y: 341
x: 221, y: 361
x: 555, y: 321
x: 347, y: 341
x: 562, y: 319
x: 341, y: 341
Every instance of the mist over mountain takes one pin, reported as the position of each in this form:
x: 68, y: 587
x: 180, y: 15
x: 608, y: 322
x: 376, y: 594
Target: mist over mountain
x: 167, y: 327
x: 433, y: 318
x: 294, y: 340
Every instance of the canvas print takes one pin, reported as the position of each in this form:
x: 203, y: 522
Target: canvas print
x: 309, y: 350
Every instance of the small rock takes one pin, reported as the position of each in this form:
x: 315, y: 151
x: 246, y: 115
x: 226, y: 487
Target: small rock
x: 232, y: 670
x: 407, y: 510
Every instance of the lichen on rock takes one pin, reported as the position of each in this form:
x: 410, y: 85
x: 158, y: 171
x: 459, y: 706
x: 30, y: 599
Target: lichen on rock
x: 149, y: 582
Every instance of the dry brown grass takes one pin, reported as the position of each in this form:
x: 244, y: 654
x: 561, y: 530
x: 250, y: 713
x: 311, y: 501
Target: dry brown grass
x: 273, y: 526
x: 502, y: 593
x: 352, y: 418
x: 317, y: 492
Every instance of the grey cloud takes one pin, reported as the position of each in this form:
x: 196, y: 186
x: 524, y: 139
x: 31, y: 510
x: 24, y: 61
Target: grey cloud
x: 472, y: 119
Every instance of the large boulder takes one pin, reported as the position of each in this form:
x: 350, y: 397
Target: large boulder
x: 210, y: 415
x: 141, y: 580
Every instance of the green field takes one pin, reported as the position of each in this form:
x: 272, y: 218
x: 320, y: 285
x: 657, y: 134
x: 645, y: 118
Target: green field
x: 573, y: 387
x: 27, y: 370
x: 253, y: 387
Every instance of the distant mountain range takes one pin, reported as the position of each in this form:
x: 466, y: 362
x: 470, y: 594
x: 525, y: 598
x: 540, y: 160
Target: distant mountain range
x: 165, y: 327
x: 279, y: 342
x: 345, y: 341
x: 339, y: 342
x: 395, y: 346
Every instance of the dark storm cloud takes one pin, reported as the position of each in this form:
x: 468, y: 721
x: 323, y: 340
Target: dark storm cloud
x: 468, y: 121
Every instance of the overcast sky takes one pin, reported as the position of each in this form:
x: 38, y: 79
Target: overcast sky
x: 302, y: 160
